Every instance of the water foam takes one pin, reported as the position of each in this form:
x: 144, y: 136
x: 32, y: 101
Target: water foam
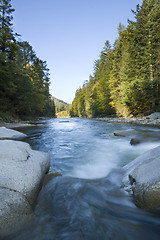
x: 109, y: 155
x: 99, y: 162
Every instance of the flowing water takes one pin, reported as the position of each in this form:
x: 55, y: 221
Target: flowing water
x: 87, y: 201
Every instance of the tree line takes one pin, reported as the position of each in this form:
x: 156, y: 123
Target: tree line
x: 24, y: 78
x: 62, y: 109
x: 126, y: 77
x: 61, y: 106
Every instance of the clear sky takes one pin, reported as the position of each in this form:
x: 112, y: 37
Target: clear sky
x: 69, y: 35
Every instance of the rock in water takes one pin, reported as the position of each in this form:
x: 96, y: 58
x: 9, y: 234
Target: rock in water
x: 22, y: 172
x: 153, y: 116
x: 143, y: 175
x: 6, y: 133
x: 134, y: 141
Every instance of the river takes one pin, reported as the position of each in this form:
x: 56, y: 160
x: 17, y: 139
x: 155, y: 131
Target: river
x: 88, y: 202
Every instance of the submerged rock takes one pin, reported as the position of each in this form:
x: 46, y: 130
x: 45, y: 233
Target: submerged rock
x: 118, y: 134
x: 22, y: 172
x: 139, y: 136
x: 143, y: 176
x: 6, y: 133
x: 64, y: 121
x: 50, y: 175
x: 134, y: 141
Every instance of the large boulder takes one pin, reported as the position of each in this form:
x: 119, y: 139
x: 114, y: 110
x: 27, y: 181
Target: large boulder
x: 142, y: 176
x: 15, y: 212
x: 22, y: 173
x: 6, y: 133
x: 16, y: 124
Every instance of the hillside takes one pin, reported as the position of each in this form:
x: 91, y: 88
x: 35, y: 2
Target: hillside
x: 61, y: 108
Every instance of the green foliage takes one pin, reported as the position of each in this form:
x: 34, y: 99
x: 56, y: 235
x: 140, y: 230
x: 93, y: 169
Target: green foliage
x: 63, y: 114
x: 126, y: 77
x: 61, y: 108
x: 24, y: 78
x: 7, y: 117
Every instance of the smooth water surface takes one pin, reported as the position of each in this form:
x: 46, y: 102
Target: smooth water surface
x: 87, y: 201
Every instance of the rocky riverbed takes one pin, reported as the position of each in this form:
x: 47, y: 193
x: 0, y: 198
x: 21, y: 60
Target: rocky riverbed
x: 151, y: 120
x: 23, y: 171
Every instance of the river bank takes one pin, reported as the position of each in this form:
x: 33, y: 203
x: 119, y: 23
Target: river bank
x: 20, y: 124
x: 9, y: 121
x: 151, y: 120
x: 16, y: 124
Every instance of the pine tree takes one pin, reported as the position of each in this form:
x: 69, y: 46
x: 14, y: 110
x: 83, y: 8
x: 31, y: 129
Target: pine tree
x: 8, y: 48
x: 127, y: 77
x: 141, y: 88
x: 24, y: 78
x: 7, y: 37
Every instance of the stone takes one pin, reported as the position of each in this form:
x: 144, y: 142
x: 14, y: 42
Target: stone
x: 153, y: 116
x: 17, y: 125
x: 15, y: 211
x: 134, y: 141
x: 118, y: 134
x: 22, y: 169
x: 6, y: 133
x: 142, y: 176
x: 22, y: 172
x: 139, y: 136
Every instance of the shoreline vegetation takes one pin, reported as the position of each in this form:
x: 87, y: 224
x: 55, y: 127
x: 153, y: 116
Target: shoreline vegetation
x: 24, y: 77
x: 125, y: 80
x: 151, y: 120
x: 62, y: 108
x: 126, y: 76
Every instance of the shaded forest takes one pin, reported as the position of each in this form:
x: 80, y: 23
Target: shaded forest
x: 24, y: 78
x: 126, y: 77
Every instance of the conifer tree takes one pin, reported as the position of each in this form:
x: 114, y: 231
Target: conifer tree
x: 141, y: 70
x: 7, y: 37
x: 24, y: 78
x: 127, y: 77
x: 8, y: 47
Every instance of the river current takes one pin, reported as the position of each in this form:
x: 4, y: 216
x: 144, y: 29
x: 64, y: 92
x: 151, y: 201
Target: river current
x: 88, y: 201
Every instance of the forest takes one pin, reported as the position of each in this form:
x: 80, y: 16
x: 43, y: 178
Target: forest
x: 62, y: 109
x: 24, y: 78
x: 125, y: 81
x: 126, y: 77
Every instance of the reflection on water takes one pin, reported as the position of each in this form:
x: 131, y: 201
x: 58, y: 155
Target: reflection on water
x: 88, y: 201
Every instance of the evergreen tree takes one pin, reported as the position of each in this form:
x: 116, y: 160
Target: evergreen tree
x: 126, y: 77
x: 141, y: 87
x: 24, y: 78
x: 8, y: 47
x: 7, y: 38
x: 102, y: 77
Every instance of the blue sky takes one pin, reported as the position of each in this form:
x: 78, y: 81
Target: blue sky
x: 69, y: 35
